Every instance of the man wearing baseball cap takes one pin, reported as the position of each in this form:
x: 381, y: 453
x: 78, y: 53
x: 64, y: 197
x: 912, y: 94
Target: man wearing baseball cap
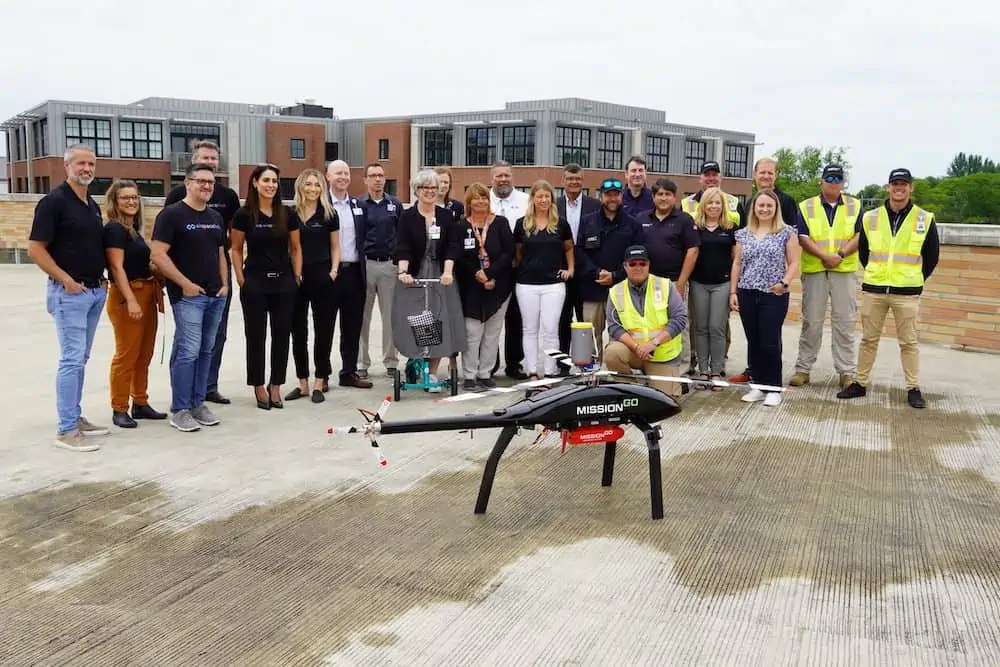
x: 600, y: 251
x: 646, y: 316
x: 829, y: 239
x: 898, y: 246
x: 711, y: 177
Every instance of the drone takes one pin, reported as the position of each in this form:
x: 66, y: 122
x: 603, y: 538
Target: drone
x: 592, y: 406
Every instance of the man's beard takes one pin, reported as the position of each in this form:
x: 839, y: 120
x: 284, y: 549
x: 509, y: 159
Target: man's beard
x: 503, y: 190
x: 82, y: 180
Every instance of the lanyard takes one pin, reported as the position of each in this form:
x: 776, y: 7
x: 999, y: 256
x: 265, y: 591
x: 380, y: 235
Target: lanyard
x: 484, y: 259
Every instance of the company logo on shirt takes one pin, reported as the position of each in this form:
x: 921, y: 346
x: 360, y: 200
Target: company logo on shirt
x: 200, y: 225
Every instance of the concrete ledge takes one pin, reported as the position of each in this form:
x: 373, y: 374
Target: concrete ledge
x: 971, y: 235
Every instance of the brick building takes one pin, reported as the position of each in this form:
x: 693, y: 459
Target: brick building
x: 149, y: 141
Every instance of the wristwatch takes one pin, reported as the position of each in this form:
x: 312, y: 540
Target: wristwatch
x: 784, y: 284
x: 841, y: 253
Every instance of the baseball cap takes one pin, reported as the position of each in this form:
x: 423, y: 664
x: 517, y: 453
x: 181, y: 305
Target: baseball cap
x: 834, y: 170
x: 636, y: 252
x: 900, y: 175
x: 610, y: 184
x: 711, y: 165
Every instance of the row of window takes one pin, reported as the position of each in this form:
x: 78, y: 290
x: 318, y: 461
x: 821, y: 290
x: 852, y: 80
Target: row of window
x: 138, y: 140
x: 572, y: 144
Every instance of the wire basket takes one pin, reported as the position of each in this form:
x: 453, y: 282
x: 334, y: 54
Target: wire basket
x: 427, y: 330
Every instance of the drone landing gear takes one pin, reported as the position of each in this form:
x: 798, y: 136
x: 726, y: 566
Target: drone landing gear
x: 652, y: 434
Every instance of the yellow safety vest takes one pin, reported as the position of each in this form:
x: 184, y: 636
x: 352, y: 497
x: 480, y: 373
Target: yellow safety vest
x: 895, y: 261
x: 654, y: 320
x: 830, y: 237
x: 690, y: 206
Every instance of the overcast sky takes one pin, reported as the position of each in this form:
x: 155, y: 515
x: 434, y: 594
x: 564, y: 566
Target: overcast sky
x: 899, y: 83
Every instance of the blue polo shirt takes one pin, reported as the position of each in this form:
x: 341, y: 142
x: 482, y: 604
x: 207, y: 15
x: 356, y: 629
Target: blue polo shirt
x: 380, y: 234
x: 636, y: 205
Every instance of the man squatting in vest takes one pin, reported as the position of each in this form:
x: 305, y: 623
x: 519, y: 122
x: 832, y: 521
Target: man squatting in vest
x: 827, y: 232
x: 645, y: 315
x: 899, y: 249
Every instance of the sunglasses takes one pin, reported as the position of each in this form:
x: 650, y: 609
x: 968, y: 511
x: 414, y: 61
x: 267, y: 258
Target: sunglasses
x: 611, y: 184
x: 834, y: 179
x: 636, y: 263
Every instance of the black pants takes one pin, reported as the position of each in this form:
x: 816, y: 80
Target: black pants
x: 349, y: 303
x: 316, y: 291
x: 513, y: 344
x: 762, y: 315
x: 274, y: 301
x: 573, y: 305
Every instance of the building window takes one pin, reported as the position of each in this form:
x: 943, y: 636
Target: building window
x: 519, y: 144
x: 572, y: 145
x: 93, y: 132
x: 150, y: 187
x: 298, y: 149
x: 609, y: 150
x: 332, y: 151
x: 99, y: 187
x: 391, y: 186
x: 480, y: 146
x: 41, y: 138
x: 143, y: 141
x: 41, y: 184
x: 694, y: 155
x: 287, y: 187
x: 737, y: 157
x: 437, y: 147
x: 183, y: 136
x: 383, y: 149
x: 658, y: 154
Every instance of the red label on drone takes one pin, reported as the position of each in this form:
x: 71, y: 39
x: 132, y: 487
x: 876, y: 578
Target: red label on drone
x: 592, y: 435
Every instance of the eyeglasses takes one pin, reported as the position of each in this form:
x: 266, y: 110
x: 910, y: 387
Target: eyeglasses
x: 636, y: 263
x: 834, y: 179
x: 204, y: 182
x: 128, y: 197
x: 428, y: 188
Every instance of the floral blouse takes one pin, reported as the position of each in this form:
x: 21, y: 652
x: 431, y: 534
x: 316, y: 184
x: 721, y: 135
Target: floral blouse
x: 762, y: 261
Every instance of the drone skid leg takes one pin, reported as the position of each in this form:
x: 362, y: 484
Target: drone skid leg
x: 652, y: 434
x: 609, y: 463
x: 490, y: 471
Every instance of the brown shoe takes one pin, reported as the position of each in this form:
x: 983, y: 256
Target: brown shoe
x: 845, y: 380
x: 352, y: 380
x: 799, y: 379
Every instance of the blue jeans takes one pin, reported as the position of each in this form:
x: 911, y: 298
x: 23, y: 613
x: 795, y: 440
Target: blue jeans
x: 76, y: 317
x: 196, y: 321
x: 220, y: 339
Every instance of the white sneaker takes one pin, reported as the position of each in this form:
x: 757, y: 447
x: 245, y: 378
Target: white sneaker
x: 753, y: 396
x: 434, y: 390
x: 773, y: 399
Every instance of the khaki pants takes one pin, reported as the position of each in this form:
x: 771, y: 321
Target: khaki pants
x: 841, y: 291
x: 595, y: 312
x: 621, y: 360
x: 381, y: 281
x: 874, y: 308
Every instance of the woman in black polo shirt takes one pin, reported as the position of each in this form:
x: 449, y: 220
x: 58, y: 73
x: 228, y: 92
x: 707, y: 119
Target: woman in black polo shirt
x: 135, y: 296
x: 320, y: 238
x: 268, y: 281
x: 544, y: 257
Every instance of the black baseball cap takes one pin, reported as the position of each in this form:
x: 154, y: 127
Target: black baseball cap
x: 711, y: 165
x: 636, y: 252
x: 609, y: 184
x: 834, y: 170
x: 900, y: 175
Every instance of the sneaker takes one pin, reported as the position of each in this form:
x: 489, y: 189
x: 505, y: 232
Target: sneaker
x: 88, y: 429
x: 204, y: 416
x: 433, y: 380
x: 469, y: 385
x: 846, y: 379
x: 772, y: 399
x: 915, y: 398
x: 800, y: 379
x: 363, y: 373
x: 487, y: 383
x: 75, y: 442
x: 753, y: 396
x: 853, y: 390
x: 184, y: 421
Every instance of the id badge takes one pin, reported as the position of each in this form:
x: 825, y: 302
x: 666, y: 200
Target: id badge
x: 469, y: 244
x: 434, y: 232
x: 357, y: 210
x: 391, y: 208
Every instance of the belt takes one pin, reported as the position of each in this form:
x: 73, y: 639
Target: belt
x: 379, y: 258
x: 89, y: 284
x: 343, y: 264
x: 274, y: 274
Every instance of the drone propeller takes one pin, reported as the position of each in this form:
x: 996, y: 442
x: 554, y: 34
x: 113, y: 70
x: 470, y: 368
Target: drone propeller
x: 686, y: 380
x: 521, y: 386
x: 369, y: 428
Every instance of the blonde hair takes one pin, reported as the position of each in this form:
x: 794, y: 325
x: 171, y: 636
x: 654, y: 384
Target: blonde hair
x: 300, y: 198
x: 530, y: 224
x: 777, y: 222
x: 111, y: 212
x: 701, y: 218
x: 473, y: 191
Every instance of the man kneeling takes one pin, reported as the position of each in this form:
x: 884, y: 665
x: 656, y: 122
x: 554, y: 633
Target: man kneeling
x: 646, y: 315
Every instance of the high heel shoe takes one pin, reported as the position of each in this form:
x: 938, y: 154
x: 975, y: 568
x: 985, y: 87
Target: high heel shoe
x: 274, y: 403
x: 262, y: 404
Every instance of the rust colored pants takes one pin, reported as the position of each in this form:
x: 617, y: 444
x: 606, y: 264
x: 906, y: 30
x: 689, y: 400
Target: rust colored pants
x: 134, y: 343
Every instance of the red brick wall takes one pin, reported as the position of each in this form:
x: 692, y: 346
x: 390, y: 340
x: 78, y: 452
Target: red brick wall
x: 279, y: 137
x: 397, y: 166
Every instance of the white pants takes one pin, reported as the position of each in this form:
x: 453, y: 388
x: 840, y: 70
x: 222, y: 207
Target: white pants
x: 541, y: 307
x: 483, y: 344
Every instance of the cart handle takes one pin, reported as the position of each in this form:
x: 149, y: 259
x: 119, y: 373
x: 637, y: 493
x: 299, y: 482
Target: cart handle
x: 423, y: 282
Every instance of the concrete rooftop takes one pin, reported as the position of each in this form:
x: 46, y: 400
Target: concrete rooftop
x: 817, y: 533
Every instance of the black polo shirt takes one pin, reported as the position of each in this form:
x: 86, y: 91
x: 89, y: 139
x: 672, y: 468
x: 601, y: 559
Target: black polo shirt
x: 73, y: 231
x: 380, y: 234
x: 668, y: 240
x: 194, y: 238
x: 136, y: 253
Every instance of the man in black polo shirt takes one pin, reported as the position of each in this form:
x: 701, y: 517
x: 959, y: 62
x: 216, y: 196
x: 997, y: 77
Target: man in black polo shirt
x: 637, y: 197
x: 225, y: 202
x: 189, y: 249
x: 382, y: 211
x: 67, y: 243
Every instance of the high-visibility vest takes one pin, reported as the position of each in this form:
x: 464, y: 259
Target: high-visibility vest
x: 830, y: 237
x: 895, y: 261
x: 690, y: 206
x: 654, y: 319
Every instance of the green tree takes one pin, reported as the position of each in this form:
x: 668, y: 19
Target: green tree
x: 799, y: 171
x: 966, y: 165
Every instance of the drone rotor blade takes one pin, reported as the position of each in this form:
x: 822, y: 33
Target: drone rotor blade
x: 561, y: 358
x: 384, y: 408
x: 685, y: 380
x: 342, y: 430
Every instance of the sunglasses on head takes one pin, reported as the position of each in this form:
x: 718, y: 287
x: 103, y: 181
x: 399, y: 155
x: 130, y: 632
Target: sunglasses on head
x: 834, y: 179
x: 611, y: 184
